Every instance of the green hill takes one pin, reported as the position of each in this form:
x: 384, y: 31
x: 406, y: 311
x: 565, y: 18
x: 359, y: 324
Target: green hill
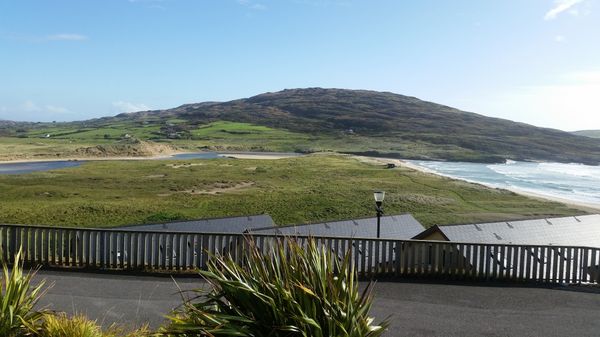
x: 351, y: 121
x: 397, y: 125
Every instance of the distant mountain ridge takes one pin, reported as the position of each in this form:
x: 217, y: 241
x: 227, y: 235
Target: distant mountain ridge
x: 588, y: 133
x: 379, y: 123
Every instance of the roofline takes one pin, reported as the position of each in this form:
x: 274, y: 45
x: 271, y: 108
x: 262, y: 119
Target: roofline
x: 428, y: 232
x: 325, y: 222
x: 192, y: 220
x: 518, y: 219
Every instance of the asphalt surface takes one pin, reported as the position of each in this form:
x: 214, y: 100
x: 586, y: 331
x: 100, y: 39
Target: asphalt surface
x: 416, y: 309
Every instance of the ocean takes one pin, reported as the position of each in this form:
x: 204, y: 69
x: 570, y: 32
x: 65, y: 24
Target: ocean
x: 574, y: 182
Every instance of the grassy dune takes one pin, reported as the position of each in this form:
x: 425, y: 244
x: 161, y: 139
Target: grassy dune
x: 294, y: 190
x: 68, y: 141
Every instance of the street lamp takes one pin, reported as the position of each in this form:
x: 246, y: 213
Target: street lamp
x: 379, y: 195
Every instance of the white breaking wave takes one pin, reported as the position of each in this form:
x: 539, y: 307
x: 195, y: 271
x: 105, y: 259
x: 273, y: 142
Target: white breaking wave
x: 572, y: 169
x: 575, y: 182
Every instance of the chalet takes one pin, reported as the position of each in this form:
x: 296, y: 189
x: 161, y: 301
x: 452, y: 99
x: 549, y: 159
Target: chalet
x: 534, y: 236
x: 234, y: 225
x: 565, y: 231
x: 399, y: 227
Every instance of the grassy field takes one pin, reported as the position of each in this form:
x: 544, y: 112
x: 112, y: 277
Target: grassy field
x: 294, y: 190
x: 67, y: 141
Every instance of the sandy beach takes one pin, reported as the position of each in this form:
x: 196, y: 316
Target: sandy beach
x: 588, y: 207
x: 259, y: 155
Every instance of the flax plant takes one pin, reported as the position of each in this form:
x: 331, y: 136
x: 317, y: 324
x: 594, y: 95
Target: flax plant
x: 18, y: 316
x: 289, y: 290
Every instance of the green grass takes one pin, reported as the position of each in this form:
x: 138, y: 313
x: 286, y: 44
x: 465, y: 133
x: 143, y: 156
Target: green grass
x: 67, y: 139
x: 294, y: 190
x: 102, y: 134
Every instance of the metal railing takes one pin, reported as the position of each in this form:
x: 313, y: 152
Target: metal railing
x: 113, y: 249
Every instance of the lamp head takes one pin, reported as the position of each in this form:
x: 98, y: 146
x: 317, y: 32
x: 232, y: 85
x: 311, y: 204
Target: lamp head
x: 379, y: 196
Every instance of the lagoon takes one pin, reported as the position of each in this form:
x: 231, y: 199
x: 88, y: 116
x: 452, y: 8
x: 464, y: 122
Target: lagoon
x: 28, y: 167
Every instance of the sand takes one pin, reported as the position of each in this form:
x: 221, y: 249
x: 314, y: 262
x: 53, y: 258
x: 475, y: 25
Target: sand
x: 258, y: 155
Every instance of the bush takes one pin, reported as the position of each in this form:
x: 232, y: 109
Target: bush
x: 292, y: 290
x: 18, y: 299
x: 18, y: 318
x: 60, y: 325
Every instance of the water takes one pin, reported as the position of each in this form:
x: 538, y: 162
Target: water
x: 575, y: 182
x: 20, y: 168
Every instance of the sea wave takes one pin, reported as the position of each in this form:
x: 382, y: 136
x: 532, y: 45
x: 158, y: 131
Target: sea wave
x: 575, y: 182
x: 578, y: 170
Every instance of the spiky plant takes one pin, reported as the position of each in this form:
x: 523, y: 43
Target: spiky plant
x: 291, y: 290
x: 61, y: 325
x: 18, y: 298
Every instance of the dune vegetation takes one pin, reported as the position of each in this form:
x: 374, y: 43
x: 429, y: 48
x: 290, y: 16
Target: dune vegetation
x: 293, y: 190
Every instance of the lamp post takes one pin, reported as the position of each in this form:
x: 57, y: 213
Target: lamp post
x: 379, y: 195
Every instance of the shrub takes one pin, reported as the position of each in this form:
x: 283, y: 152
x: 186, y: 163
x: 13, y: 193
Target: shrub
x: 292, y: 290
x: 60, y: 325
x: 18, y: 299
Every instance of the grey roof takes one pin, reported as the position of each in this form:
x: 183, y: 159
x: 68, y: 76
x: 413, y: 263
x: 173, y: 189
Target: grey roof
x: 219, y: 225
x: 392, y: 227
x: 567, y: 231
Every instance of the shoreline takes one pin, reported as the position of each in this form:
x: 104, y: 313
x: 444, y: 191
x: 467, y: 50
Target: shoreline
x: 588, y: 207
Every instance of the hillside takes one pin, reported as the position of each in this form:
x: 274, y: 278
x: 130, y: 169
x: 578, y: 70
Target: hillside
x: 350, y: 121
x: 588, y: 133
x: 405, y: 126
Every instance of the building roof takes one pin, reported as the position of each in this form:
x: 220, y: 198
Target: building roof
x: 567, y: 231
x: 216, y: 225
x: 403, y: 226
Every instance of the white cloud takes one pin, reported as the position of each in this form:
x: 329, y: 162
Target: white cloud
x: 122, y: 106
x: 252, y: 5
x: 30, y: 106
x: 56, y: 109
x: 584, y: 77
x: 560, y: 38
x: 154, y: 4
x: 324, y: 3
x: 66, y: 37
x: 561, y: 6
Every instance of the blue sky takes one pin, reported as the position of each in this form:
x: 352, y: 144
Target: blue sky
x: 536, y: 61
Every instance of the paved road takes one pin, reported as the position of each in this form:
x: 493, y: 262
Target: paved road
x: 417, y: 309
